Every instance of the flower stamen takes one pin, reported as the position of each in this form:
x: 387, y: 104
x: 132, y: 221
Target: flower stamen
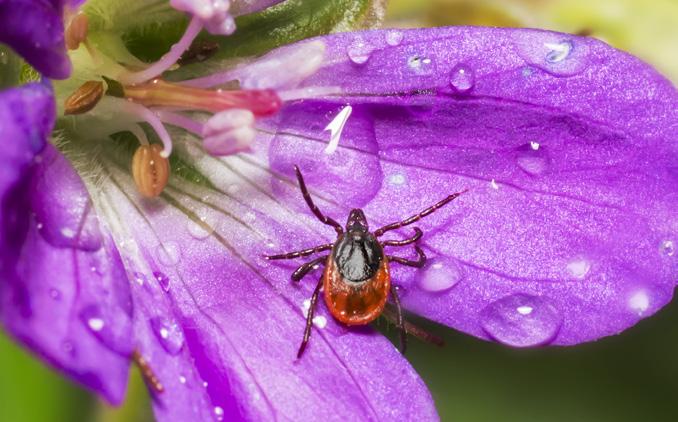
x: 150, y: 170
x: 84, y: 98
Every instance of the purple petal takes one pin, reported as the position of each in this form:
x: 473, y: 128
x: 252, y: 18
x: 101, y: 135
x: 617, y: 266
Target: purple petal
x: 34, y: 29
x: 568, y: 231
x: 64, y: 292
x: 221, y: 327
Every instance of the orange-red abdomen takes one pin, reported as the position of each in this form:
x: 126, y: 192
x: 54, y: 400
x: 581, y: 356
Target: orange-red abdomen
x: 356, y: 303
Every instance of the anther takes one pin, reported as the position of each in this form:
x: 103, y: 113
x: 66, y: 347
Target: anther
x: 76, y: 31
x: 146, y: 371
x: 150, y: 170
x: 84, y: 98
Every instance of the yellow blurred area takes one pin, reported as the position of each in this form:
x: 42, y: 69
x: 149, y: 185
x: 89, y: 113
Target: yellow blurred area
x: 645, y: 28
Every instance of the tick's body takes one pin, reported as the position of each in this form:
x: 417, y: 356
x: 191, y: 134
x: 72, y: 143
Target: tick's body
x: 356, y: 279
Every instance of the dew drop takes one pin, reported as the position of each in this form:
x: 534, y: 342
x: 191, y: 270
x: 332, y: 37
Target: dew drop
x: 521, y: 320
x: 320, y: 321
x: 169, y: 253
x: 494, y: 185
x: 420, y: 65
x: 67, y: 232
x: 168, y: 333
x: 558, y: 51
x: 639, y: 302
x: 397, y: 179
x: 182, y: 379
x: 579, y: 268
x: 112, y: 328
x: 139, y: 278
x: 359, y: 52
x: 68, y: 347
x: 440, y: 274
x: 163, y: 280
x: 394, y: 38
x: 201, y: 229
x: 667, y: 248
x: 55, y: 294
x: 219, y: 413
x: 204, y: 384
x: 532, y: 158
x: 462, y: 78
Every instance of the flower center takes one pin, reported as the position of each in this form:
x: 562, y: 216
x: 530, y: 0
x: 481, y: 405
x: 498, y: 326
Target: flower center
x: 142, y: 96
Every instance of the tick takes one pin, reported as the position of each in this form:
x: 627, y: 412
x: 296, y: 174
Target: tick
x: 356, y: 280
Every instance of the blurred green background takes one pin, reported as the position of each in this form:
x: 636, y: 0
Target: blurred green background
x: 630, y: 377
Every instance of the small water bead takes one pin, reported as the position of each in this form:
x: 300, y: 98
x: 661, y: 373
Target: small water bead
x: 200, y: 229
x: 394, y: 38
x: 168, y: 333
x: 533, y: 158
x: 204, y: 384
x: 440, y: 274
x: 320, y: 321
x: 67, y: 346
x: 558, y: 51
x: 397, y: 179
x: 219, y: 413
x: 420, y: 65
x: 182, y: 379
x: 462, y: 78
x: 639, y: 302
x: 667, y: 248
x: 55, y: 294
x: 494, y: 185
x: 163, y: 280
x: 139, y: 278
x: 521, y: 320
x: 579, y: 268
x: 359, y: 52
x: 67, y: 232
x: 169, y: 253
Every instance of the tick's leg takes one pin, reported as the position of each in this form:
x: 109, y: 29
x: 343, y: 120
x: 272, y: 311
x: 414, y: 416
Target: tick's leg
x: 316, y: 211
x: 399, y: 321
x: 300, y: 272
x: 390, y: 314
x: 417, y: 217
x: 309, y: 318
x: 421, y: 259
x: 298, y: 254
x: 417, y: 236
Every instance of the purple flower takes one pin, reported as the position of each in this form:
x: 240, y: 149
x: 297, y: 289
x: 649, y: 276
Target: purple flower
x: 567, y: 233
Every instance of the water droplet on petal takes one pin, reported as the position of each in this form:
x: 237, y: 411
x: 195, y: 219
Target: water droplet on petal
x: 532, y: 158
x: 112, y: 328
x: 579, y: 268
x: 169, y: 253
x: 359, y: 52
x: 494, y: 185
x: 219, y: 413
x: 163, y: 280
x: 55, y: 294
x: 168, y: 333
x: 440, y: 274
x: 462, y: 78
x: 639, y: 302
x: 139, y: 278
x: 67, y: 346
x: 397, y: 179
x: 204, y: 384
x: 420, y: 65
x: 394, y: 38
x: 201, y: 229
x: 67, y: 232
x: 552, y: 53
x: 521, y: 320
x: 182, y: 379
x: 320, y: 321
x: 667, y: 248
x: 558, y: 51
